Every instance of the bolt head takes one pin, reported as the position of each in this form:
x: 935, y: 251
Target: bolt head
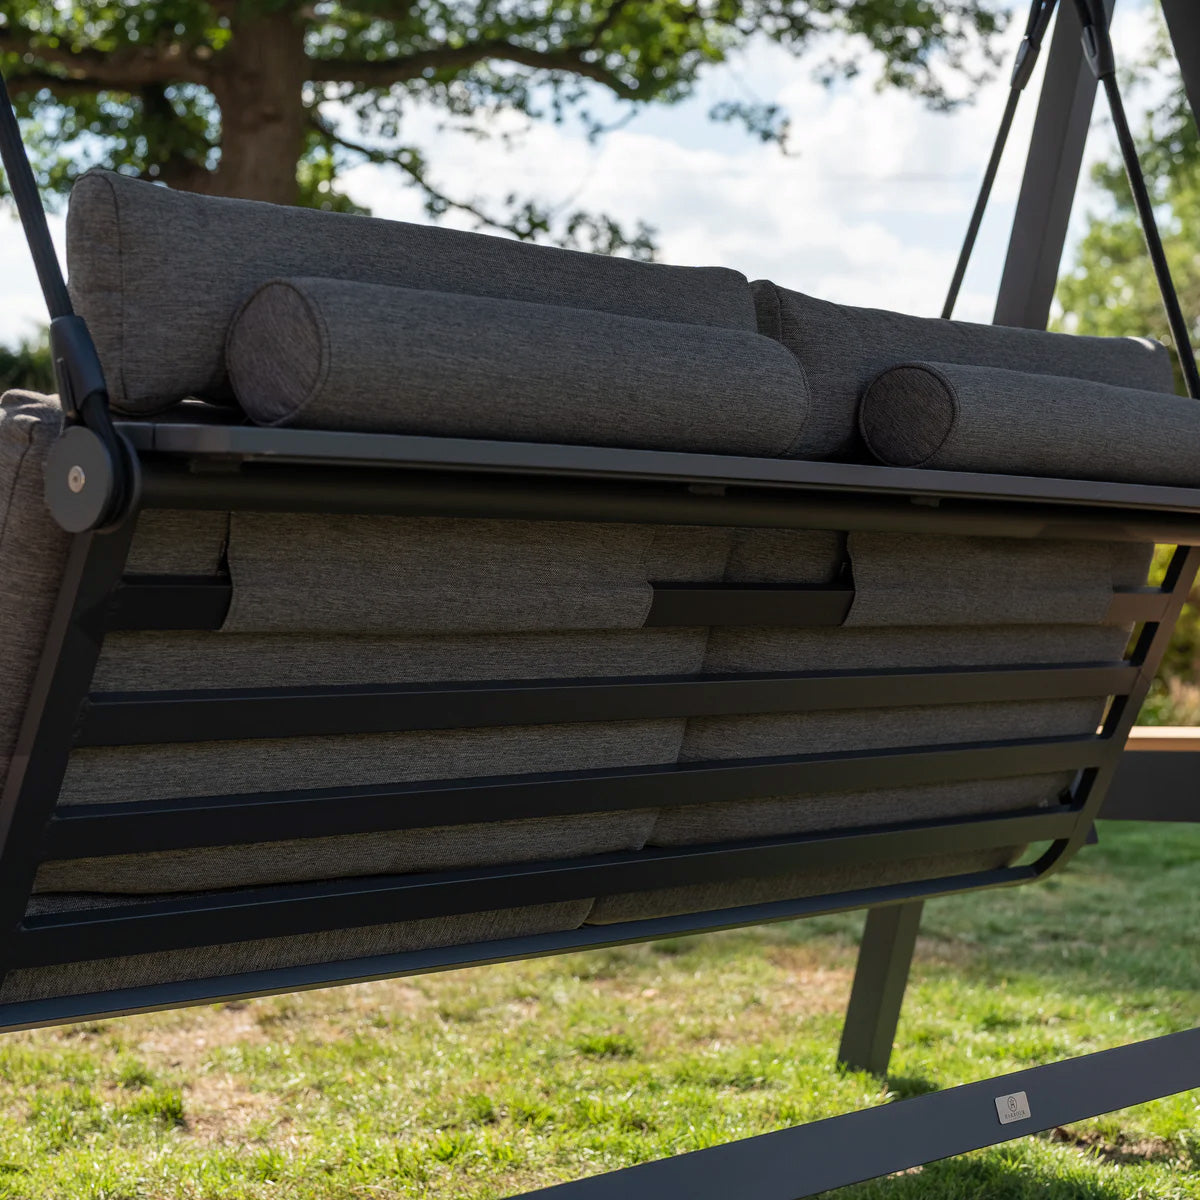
x: 76, y: 479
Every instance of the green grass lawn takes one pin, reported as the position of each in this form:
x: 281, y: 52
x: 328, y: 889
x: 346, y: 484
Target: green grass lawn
x: 488, y: 1082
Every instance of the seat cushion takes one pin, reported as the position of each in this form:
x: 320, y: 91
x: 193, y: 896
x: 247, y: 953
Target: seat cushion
x: 767, y: 889
x: 336, y: 354
x: 968, y: 418
x: 843, y: 348
x: 158, y: 275
x: 172, y: 966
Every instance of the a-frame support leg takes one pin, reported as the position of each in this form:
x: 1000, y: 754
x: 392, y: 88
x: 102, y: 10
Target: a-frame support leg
x: 884, y: 958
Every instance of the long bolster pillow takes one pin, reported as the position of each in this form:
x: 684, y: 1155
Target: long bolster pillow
x: 335, y: 355
x: 158, y: 274
x: 842, y: 348
x: 970, y: 418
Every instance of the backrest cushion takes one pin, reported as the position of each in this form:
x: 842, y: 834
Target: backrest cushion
x: 335, y: 354
x: 33, y: 550
x: 967, y: 418
x: 158, y: 274
x: 842, y: 348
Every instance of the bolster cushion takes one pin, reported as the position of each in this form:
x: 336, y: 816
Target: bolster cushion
x: 334, y: 354
x: 843, y: 348
x: 158, y: 274
x: 970, y: 418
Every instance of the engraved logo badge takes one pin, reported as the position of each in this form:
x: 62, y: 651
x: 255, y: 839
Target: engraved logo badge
x: 1012, y: 1108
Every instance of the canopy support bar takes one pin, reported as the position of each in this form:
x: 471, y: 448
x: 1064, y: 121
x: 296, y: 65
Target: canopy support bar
x: 1039, y: 230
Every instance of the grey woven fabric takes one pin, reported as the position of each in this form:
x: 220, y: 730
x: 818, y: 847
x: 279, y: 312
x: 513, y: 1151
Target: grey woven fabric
x: 854, y: 649
x: 778, y: 816
x: 137, y: 773
x: 33, y: 551
x: 333, y: 354
x: 172, y: 542
x: 433, y: 574
x: 158, y: 274
x: 917, y: 579
x: 843, y: 348
x: 138, y: 970
x: 879, y: 728
x: 669, y: 902
x: 162, y: 661
x: 113, y: 774
x: 686, y: 554
x: 969, y: 418
x: 785, y: 556
x: 442, y: 848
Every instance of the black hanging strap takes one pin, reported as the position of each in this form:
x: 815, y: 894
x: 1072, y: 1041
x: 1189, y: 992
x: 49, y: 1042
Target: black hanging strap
x: 1040, y: 13
x: 29, y: 208
x: 1097, y: 45
x: 102, y: 493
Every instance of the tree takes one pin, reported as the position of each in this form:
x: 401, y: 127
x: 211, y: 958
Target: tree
x: 274, y: 99
x: 1111, y: 288
x: 27, y: 366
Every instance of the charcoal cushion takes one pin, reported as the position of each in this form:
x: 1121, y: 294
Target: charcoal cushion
x: 33, y: 550
x: 970, y: 418
x: 843, y: 348
x: 767, y: 889
x: 158, y: 275
x: 140, y: 970
x: 334, y: 354
x: 444, y: 574
x: 918, y: 579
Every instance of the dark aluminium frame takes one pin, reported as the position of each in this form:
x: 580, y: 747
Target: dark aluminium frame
x: 187, y: 464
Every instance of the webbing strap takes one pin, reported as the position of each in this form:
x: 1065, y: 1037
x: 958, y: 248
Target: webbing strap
x: 1097, y: 46
x: 30, y: 210
x: 1035, y: 32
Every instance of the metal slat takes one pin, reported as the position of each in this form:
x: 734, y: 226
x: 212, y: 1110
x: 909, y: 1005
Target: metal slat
x: 134, y: 827
x: 243, y: 915
x: 744, y: 604
x: 142, y: 718
x: 200, y: 603
x: 170, y: 602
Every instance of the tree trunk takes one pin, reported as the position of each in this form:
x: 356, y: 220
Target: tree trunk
x: 259, y: 86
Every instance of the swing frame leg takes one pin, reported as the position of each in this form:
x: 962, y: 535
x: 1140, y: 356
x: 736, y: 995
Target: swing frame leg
x: 880, y: 978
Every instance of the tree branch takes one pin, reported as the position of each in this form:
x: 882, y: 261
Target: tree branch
x: 125, y: 69
x: 385, y: 158
x: 386, y: 72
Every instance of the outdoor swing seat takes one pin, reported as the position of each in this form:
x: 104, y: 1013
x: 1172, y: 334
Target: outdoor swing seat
x: 438, y: 600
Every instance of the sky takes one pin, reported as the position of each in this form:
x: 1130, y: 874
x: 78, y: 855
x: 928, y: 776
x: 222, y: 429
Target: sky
x: 868, y: 207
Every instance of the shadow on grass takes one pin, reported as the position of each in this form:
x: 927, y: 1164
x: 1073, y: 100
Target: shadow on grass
x: 905, y: 1087
x: 996, y: 1175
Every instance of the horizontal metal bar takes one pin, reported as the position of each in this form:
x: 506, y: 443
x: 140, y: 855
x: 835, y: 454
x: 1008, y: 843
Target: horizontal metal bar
x: 182, y: 602
x: 168, y: 448
x: 31, y: 1014
x: 141, y: 718
x: 138, y: 826
x: 873, y: 504
x: 242, y: 915
x: 807, y: 1159
x: 747, y: 604
x: 1130, y: 606
x: 170, y: 602
x: 1152, y: 785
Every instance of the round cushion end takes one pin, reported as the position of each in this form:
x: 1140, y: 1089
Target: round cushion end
x: 907, y: 414
x: 275, y: 353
